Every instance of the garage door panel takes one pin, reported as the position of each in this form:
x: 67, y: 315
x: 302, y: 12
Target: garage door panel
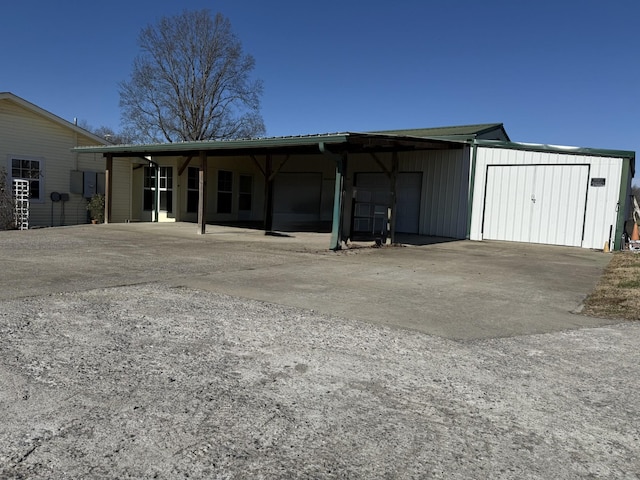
x: 536, y: 203
x: 296, y: 200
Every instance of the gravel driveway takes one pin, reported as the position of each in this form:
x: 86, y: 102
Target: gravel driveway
x: 157, y: 381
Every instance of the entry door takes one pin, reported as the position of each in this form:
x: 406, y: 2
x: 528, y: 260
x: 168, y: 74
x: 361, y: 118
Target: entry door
x: 536, y: 203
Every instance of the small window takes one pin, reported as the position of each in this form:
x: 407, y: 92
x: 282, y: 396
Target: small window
x: 193, y: 194
x: 225, y: 191
x: 245, y: 192
x: 31, y: 170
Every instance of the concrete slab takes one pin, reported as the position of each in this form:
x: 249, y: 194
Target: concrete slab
x: 459, y: 290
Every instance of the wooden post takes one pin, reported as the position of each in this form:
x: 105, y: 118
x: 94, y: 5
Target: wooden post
x: 268, y: 195
x: 108, y: 189
x: 202, y: 194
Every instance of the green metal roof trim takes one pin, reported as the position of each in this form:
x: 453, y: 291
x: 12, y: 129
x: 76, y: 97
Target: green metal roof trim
x: 594, y: 152
x: 460, y: 130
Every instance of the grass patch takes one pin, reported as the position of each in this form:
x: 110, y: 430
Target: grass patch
x: 618, y: 293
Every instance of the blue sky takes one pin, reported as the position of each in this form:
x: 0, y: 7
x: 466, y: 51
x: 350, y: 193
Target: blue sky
x: 556, y: 72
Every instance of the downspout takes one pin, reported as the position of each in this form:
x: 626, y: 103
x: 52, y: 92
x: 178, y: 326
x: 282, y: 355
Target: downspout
x: 338, y: 197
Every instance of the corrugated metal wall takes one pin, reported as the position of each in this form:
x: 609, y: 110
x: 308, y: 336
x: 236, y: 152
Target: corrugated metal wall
x: 444, y: 190
x: 563, y: 187
x: 445, y: 185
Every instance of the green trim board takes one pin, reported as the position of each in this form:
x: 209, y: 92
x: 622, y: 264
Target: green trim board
x: 472, y: 186
x: 622, y: 200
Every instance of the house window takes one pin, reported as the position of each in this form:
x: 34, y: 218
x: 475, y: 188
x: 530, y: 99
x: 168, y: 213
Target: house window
x: 225, y: 191
x: 166, y: 189
x: 193, y: 195
x: 149, y: 188
x: 31, y: 170
x: 164, y: 184
x: 245, y: 192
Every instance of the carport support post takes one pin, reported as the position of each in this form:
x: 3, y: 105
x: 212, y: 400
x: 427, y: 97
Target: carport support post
x: 108, y: 190
x: 338, y: 201
x: 202, y: 194
x: 268, y: 194
x: 394, y: 195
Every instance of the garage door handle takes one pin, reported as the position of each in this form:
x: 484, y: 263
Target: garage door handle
x: 533, y: 197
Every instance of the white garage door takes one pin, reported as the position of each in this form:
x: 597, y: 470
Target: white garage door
x: 536, y: 203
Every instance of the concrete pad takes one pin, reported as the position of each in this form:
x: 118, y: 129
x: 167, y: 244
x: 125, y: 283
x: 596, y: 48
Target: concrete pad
x: 457, y: 290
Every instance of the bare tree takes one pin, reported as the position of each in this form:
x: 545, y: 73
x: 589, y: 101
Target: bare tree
x: 191, y: 82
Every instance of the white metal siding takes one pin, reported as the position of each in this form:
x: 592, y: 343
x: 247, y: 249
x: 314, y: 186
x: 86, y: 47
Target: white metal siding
x: 600, y: 210
x: 536, y: 203
x: 445, y: 187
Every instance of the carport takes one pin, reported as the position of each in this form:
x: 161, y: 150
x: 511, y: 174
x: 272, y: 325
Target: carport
x: 378, y: 151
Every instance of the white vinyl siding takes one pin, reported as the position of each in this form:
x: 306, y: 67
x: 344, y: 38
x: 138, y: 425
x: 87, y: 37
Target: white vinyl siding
x: 23, y: 133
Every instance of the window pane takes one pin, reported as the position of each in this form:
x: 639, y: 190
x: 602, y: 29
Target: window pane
x: 246, y: 183
x: 244, y: 202
x: 225, y: 181
x: 148, y: 200
x: 166, y: 201
x: 193, y: 178
x: 192, y: 201
x: 34, y: 187
x: 224, y: 202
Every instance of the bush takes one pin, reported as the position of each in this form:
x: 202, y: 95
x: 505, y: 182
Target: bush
x: 7, y: 220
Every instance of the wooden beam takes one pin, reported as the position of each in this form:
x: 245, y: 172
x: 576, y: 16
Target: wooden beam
x: 108, y: 189
x: 273, y: 174
x: 255, y: 160
x: 202, y: 194
x: 381, y: 164
x: 184, y: 165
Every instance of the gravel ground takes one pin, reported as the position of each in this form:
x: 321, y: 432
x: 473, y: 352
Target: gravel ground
x: 149, y: 381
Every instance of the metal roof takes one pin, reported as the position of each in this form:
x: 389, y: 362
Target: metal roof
x: 352, y: 142
x: 459, y: 130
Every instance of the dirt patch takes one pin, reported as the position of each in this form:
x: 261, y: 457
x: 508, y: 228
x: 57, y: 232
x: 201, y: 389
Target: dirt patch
x: 618, y: 292
x: 149, y: 381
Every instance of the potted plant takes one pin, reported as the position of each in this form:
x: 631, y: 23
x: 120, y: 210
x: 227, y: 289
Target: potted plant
x: 96, y: 208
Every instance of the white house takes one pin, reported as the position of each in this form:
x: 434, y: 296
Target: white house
x: 35, y: 145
